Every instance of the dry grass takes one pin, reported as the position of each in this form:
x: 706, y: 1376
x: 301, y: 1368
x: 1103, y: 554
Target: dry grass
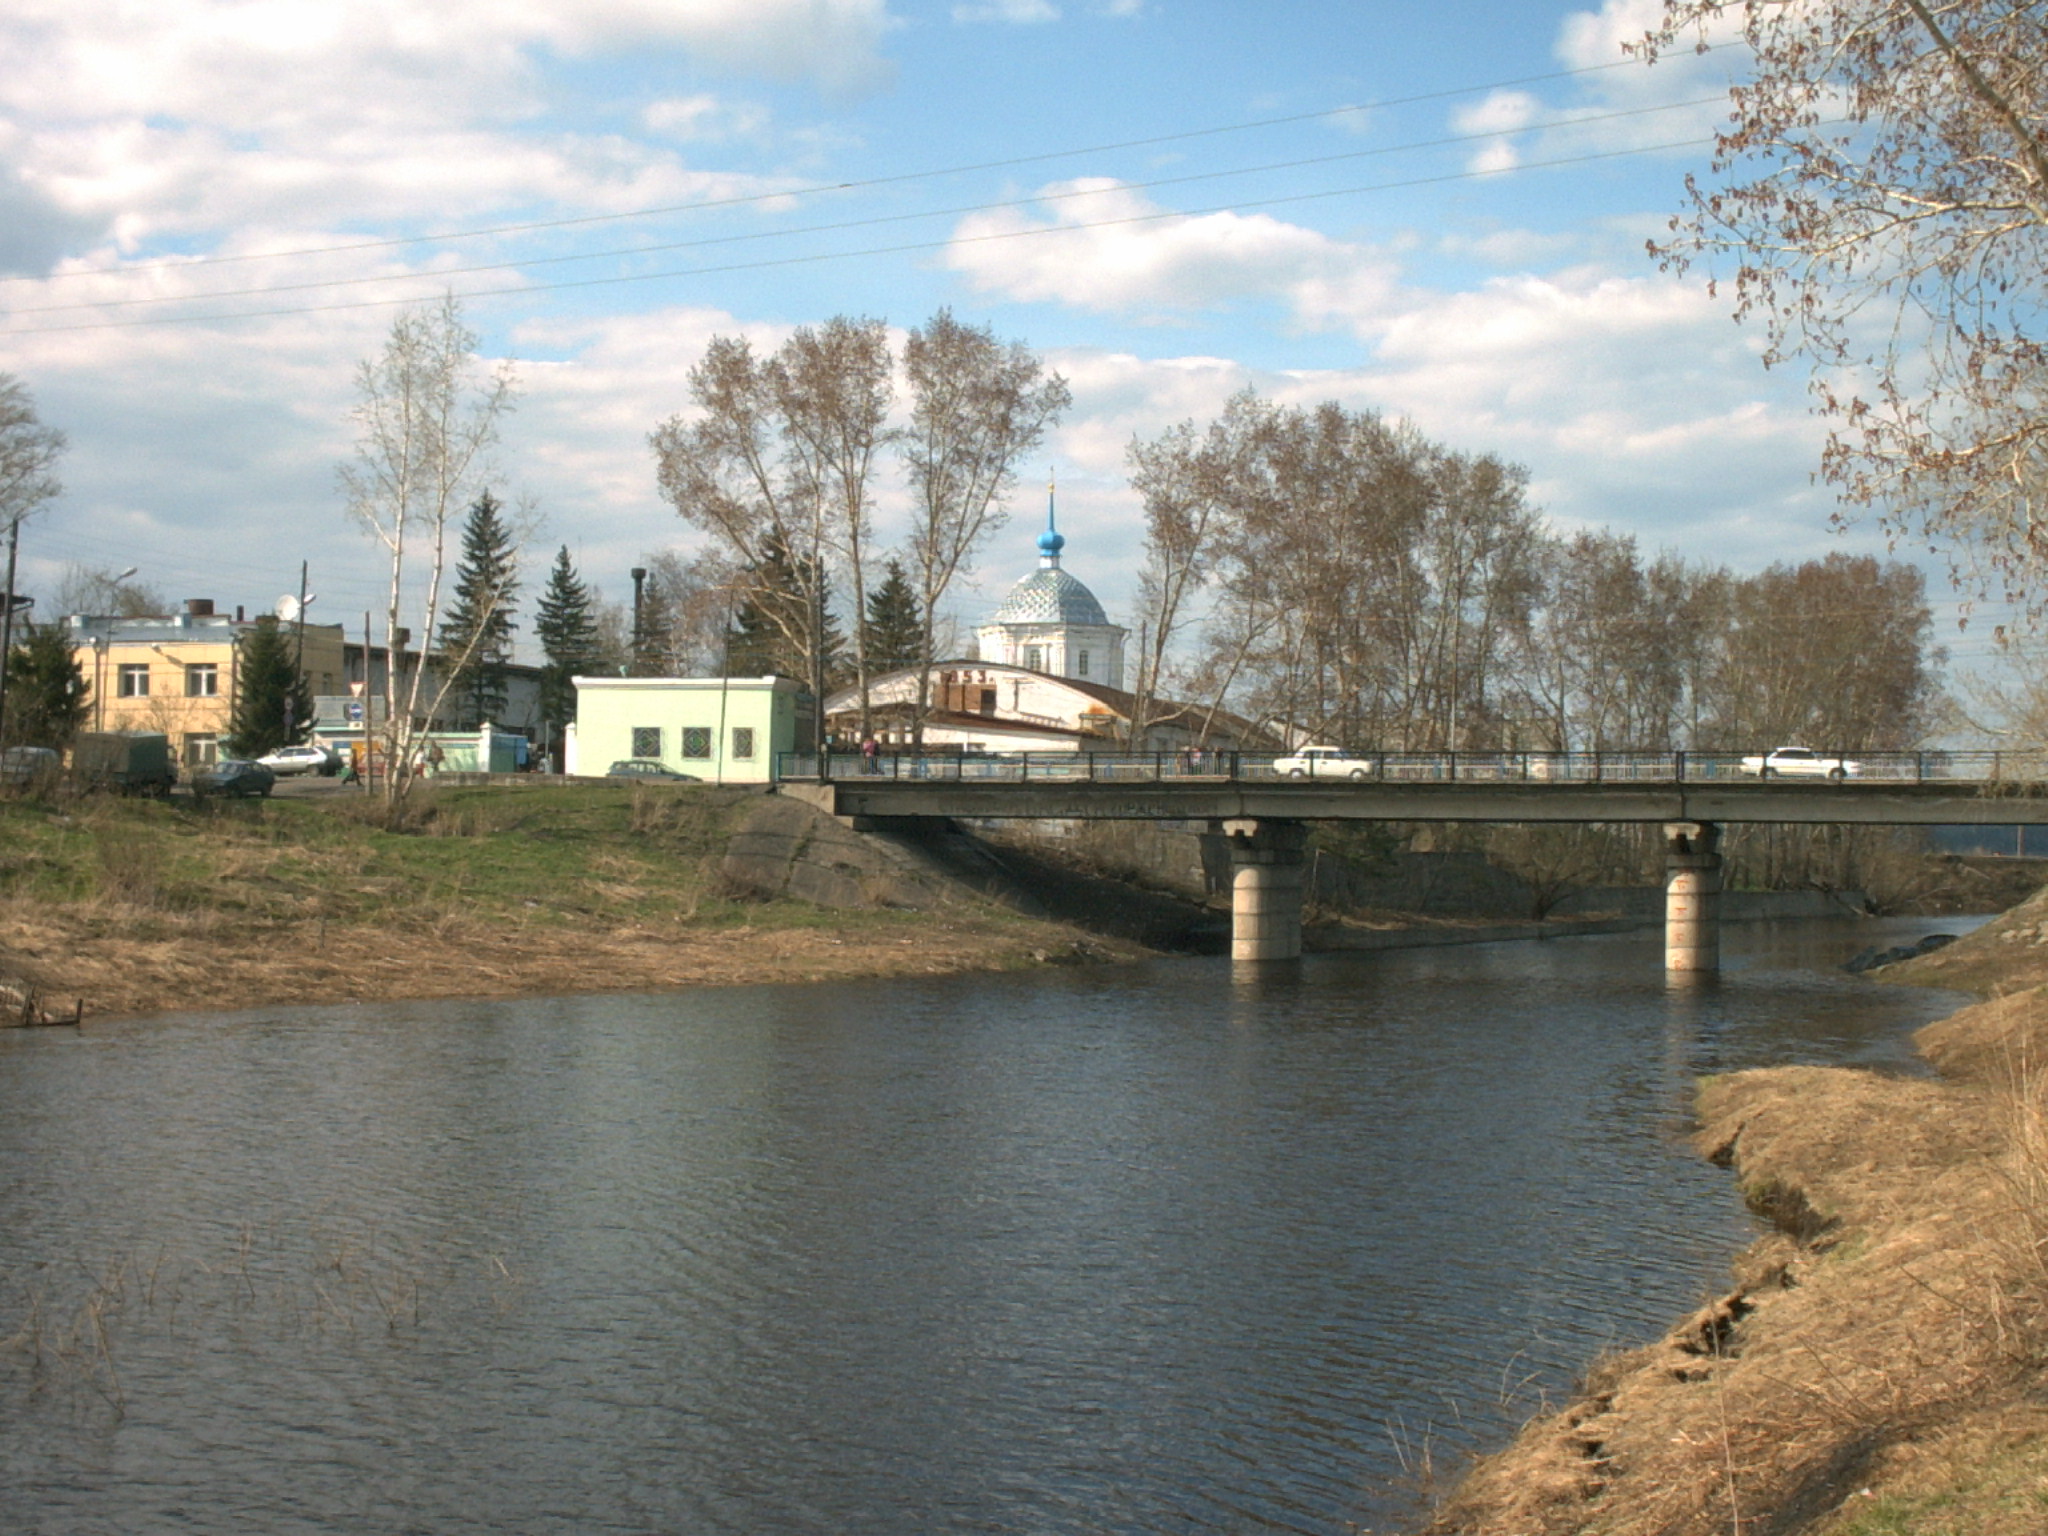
x: 1880, y: 1366
x: 148, y: 907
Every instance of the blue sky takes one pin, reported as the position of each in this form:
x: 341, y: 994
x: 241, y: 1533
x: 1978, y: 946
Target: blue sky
x: 1439, y: 215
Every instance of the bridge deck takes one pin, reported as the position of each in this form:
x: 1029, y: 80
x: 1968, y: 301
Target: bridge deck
x: 1194, y: 797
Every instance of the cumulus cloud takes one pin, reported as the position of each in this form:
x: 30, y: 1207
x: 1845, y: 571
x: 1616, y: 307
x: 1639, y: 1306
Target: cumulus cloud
x: 254, y: 63
x: 216, y: 114
x: 36, y: 230
x: 1102, y: 246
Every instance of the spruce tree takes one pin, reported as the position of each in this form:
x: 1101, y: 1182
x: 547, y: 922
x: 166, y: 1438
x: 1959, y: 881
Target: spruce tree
x: 566, y: 625
x: 476, y: 634
x: 894, y: 638
x: 772, y: 625
x: 273, y: 701
x: 46, y: 690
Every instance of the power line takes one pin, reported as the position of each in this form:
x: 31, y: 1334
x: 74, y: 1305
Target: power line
x: 523, y: 263
x: 885, y: 250
x: 818, y: 188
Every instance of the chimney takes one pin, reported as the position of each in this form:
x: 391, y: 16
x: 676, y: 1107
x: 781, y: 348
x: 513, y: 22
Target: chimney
x: 199, y: 607
x: 238, y: 615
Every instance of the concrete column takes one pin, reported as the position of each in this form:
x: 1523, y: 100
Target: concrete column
x: 1692, y: 896
x: 1265, y: 888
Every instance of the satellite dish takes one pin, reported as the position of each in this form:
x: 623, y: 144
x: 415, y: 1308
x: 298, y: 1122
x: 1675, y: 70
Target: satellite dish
x: 287, y: 608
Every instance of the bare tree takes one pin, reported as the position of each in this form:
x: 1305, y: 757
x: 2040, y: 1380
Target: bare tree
x: 1833, y: 653
x: 28, y: 458
x: 102, y: 590
x: 978, y: 407
x: 747, y: 474
x: 427, y: 416
x: 1882, y: 192
x: 687, y: 610
x: 836, y: 386
x: 1187, y: 480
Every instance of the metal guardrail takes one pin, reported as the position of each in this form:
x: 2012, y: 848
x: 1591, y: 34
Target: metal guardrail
x: 2022, y: 771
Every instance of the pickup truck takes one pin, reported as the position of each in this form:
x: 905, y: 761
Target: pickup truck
x: 1800, y: 763
x: 1325, y: 763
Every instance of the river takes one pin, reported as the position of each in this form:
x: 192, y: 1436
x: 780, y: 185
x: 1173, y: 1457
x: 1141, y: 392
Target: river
x: 1144, y: 1248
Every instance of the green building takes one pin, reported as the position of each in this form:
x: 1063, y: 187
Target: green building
x: 725, y: 730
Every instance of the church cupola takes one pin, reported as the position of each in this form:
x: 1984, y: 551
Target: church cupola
x: 1050, y: 622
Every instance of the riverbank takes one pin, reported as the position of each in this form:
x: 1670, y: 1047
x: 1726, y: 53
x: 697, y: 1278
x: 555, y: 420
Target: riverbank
x: 1880, y: 1365
x: 135, y: 907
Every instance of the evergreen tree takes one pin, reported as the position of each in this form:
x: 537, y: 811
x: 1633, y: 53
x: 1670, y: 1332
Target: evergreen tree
x: 273, y: 701
x: 772, y: 625
x: 476, y: 634
x: 46, y: 690
x: 566, y: 625
x: 892, y: 634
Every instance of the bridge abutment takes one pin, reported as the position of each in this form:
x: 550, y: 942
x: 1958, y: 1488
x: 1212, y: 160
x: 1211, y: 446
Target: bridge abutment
x: 1267, y: 861
x: 1692, y: 896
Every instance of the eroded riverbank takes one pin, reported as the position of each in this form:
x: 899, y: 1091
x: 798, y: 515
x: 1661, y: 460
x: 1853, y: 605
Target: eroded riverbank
x: 1878, y: 1367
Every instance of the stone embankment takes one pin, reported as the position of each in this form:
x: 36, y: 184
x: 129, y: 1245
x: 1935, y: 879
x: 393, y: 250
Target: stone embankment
x: 1879, y: 1366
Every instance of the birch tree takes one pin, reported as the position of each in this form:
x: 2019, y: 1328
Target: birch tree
x: 978, y: 407
x: 744, y: 472
x: 835, y: 387
x: 29, y: 452
x: 1187, y: 480
x: 1879, y: 202
x: 427, y: 415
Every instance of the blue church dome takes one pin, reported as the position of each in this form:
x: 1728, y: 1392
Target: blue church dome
x: 1050, y: 596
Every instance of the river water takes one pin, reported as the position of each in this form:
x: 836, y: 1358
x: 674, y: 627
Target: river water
x: 1133, y: 1249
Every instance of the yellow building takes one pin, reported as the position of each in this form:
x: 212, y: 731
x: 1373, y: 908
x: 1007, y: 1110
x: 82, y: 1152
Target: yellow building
x: 176, y: 673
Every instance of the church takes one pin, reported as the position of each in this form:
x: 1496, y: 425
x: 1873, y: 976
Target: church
x: 1048, y: 676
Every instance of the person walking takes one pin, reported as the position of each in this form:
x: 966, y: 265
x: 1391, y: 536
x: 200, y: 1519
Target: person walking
x: 870, y: 754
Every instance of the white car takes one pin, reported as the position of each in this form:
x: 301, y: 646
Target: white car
x: 1325, y: 763
x: 310, y: 758
x: 1800, y: 763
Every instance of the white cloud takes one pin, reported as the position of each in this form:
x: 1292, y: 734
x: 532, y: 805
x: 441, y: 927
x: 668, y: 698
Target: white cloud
x: 1101, y: 246
x: 1500, y: 112
x: 1013, y: 12
x: 216, y: 114
x: 704, y: 118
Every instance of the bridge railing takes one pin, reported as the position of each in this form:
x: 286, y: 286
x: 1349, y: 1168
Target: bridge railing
x: 2023, y: 772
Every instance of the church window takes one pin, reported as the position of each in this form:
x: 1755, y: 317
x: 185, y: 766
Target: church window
x: 1081, y: 664
x: 1034, y: 658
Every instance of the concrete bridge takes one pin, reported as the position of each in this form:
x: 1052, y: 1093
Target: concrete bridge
x: 1263, y: 812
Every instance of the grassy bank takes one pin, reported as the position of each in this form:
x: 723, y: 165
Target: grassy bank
x: 139, y: 906
x: 1880, y: 1366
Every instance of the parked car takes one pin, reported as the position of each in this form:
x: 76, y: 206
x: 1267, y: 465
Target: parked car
x: 310, y: 758
x: 26, y: 765
x: 1325, y: 763
x: 233, y: 776
x: 1800, y: 763
x: 648, y: 768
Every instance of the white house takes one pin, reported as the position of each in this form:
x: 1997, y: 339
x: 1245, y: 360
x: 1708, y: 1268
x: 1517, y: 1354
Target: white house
x: 726, y: 730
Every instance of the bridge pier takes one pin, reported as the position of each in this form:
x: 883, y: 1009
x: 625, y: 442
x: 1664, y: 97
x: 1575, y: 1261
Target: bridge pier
x: 1266, y: 861
x: 1692, y: 896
